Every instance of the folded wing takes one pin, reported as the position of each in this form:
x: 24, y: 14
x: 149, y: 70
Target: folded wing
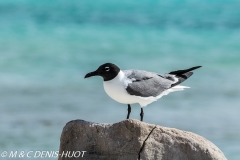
x: 147, y: 84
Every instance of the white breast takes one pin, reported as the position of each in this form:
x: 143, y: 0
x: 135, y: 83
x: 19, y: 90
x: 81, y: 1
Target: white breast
x: 116, y: 89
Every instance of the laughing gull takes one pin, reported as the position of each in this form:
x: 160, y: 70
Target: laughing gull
x: 137, y: 86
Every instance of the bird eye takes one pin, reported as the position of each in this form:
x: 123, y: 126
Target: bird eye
x: 107, y: 68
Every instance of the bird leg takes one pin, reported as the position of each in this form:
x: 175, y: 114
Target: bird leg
x: 129, y: 111
x: 141, y: 114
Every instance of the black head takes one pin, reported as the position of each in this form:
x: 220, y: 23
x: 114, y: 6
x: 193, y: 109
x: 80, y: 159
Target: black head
x: 108, y: 71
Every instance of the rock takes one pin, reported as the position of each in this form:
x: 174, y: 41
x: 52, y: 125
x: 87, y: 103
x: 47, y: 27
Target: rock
x: 132, y: 139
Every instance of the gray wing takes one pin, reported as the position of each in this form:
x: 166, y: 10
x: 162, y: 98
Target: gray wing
x: 146, y: 84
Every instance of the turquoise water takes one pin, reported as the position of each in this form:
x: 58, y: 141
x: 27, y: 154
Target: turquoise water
x: 46, y: 48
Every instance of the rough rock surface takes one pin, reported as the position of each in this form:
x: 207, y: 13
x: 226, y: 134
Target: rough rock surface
x: 132, y: 139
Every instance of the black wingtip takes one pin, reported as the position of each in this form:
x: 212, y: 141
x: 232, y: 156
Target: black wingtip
x: 179, y: 72
x: 196, y: 67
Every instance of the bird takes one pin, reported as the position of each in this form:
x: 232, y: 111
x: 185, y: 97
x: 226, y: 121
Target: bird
x: 139, y: 86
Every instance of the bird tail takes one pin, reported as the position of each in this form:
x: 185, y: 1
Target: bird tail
x: 182, y: 75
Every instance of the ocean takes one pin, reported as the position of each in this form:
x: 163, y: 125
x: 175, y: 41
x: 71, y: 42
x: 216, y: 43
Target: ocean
x: 47, y: 47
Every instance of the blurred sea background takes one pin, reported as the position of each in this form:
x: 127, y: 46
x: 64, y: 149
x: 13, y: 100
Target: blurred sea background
x: 47, y: 47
